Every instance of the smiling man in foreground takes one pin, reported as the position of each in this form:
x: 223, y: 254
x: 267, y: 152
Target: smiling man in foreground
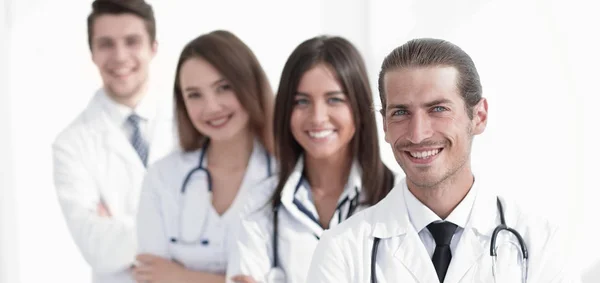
x: 440, y: 223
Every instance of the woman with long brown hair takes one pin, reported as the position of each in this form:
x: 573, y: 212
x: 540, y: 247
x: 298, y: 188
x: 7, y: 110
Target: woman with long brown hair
x: 190, y: 198
x: 327, y: 146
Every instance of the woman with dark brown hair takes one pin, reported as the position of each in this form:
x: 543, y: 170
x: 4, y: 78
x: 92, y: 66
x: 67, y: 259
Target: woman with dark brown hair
x: 190, y: 198
x: 327, y: 146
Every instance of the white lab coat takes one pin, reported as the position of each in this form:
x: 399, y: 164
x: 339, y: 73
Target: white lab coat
x: 166, y: 213
x: 94, y: 162
x: 252, y: 254
x: 344, y: 253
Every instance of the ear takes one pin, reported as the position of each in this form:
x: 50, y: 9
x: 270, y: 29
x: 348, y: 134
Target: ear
x: 154, y: 48
x: 480, y: 115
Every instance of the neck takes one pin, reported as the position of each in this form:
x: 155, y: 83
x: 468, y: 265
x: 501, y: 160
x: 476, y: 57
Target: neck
x: 131, y: 100
x: 328, y: 175
x: 444, y: 197
x: 233, y: 153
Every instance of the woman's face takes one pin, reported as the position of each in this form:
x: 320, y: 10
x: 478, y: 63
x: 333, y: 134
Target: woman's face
x: 322, y: 121
x: 211, y: 103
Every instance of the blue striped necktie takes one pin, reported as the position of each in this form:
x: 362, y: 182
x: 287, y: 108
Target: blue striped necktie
x: 137, y: 141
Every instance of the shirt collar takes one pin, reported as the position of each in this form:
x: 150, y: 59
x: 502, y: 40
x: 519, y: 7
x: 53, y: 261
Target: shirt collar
x: 118, y: 113
x: 421, y: 216
x: 353, y: 186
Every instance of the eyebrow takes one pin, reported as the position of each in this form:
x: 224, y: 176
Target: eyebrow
x: 219, y: 81
x: 127, y: 36
x: 425, y: 105
x: 193, y: 88
x: 329, y: 93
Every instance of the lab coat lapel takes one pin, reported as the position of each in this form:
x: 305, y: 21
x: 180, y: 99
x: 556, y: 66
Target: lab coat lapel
x: 112, y: 137
x: 413, y: 255
x: 475, y: 238
x: 287, y: 198
x: 257, y: 171
x: 394, y: 222
x: 468, y: 252
x: 116, y: 141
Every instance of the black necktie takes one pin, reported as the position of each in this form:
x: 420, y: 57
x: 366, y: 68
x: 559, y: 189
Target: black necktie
x: 442, y: 234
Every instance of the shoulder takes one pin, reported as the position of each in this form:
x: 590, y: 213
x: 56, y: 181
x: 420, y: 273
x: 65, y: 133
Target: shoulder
x: 534, y: 227
x: 356, y: 229
x: 81, y: 127
x: 258, y: 201
x: 380, y: 219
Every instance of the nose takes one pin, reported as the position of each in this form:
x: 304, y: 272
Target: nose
x: 419, y: 128
x: 212, y: 104
x: 120, y: 53
x: 319, y: 114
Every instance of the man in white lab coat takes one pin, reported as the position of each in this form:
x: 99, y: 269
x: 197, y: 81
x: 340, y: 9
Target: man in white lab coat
x: 100, y: 158
x: 437, y: 224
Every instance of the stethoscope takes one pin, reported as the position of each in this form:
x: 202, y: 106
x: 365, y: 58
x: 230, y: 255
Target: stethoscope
x: 493, y: 248
x: 276, y: 273
x: 201, y: 211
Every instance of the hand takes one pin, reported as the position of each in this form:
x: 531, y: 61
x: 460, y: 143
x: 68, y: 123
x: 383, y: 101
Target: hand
x: 154, y: 269
x: 243, y: 279
x: 102, y: 210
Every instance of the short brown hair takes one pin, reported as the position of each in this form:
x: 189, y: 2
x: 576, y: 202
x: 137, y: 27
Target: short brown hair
x: 240, y: 67
x: 346, y: 62
x: 429, y: 52
x: 115, y: 7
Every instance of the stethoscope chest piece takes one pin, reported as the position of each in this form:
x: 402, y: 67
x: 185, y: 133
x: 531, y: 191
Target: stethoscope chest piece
x: 276, y: 275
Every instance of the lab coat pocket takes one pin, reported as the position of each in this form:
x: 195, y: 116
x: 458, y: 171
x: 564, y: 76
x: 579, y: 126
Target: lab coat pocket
x: 199, y: 257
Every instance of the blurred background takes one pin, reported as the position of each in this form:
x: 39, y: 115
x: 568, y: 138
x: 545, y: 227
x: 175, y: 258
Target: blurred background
x: 538, y: 61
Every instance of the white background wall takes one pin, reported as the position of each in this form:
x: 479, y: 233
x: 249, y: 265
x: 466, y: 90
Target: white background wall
x: 536, y: 58
x: 8, y: 244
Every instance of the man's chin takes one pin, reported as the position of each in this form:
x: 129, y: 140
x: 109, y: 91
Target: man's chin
x: 424, y: 180
x: 121, y: 92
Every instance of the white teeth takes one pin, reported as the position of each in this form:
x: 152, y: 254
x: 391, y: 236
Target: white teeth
x: 218, y: 122
x: 424, y: 154
x: 320, y: 134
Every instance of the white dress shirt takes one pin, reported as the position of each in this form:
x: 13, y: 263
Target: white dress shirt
x: 421, y: 216
x: 118, y: 114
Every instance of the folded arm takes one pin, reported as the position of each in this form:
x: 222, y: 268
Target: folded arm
x: 106, y: 243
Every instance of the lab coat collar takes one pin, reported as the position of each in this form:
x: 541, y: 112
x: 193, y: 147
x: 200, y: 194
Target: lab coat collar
x: 391, y: 217
x: 105, y: 123
x: 118, y: 113
x: 259, y: 158
x: 291, y: 192
x: 196, y: 201
x: 106, y: 114
x: 421, y: 215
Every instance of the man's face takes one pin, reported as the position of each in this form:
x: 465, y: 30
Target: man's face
x: 427, y: 125
x: 122, y: 51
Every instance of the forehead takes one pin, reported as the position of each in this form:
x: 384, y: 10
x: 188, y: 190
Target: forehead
x: 318, y: 80
x: 118, y: 26
x: 198, y: 72
x: 416, y: 85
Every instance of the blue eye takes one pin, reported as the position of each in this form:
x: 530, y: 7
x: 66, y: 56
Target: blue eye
x: 439, y: 109
x: 335, y: 100
x: 399, y: 113
x: 300, y: 101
